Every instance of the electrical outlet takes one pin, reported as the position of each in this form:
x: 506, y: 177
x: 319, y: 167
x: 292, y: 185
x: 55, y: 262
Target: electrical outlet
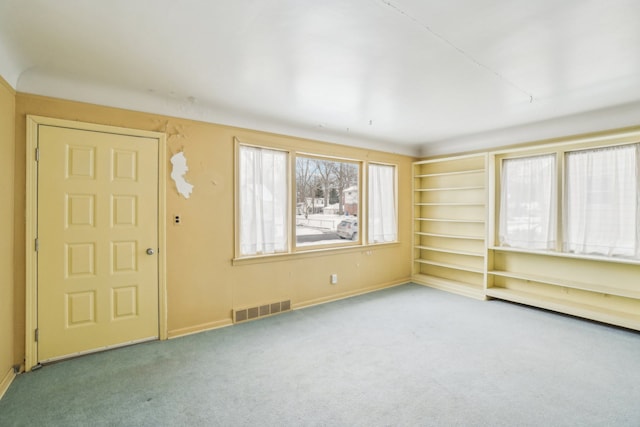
x: 334, y: 279
x: 176, y: 219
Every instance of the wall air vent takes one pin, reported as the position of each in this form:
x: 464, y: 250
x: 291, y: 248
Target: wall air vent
x: 250, y: 313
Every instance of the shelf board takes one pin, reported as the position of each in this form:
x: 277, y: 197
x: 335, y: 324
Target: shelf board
x: 462, y: 172
x: 449, y: 236
x: 449, y: 251
x: 447, y: 204
x: 597, y: 258
x: 460, y: 288
x: 465, y: 221
x: 591, y: 287
x: 450, y: 266
x: 600, y: 314
x: 450, y: 188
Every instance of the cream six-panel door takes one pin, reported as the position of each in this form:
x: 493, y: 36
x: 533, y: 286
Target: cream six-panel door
x: 97, y: 227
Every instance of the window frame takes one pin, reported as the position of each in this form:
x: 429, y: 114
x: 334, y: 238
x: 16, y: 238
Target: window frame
x: 308, y: 250
x: 565, y: 212
x: 338, y: 244
x: 560, y: 149
x: 236, y: 194
x: 395, y: 201
x: 557, y: 178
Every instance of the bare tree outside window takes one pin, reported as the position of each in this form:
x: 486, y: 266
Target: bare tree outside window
x: 305, y: 177
x: 327, y: 201
x: 326, y: 176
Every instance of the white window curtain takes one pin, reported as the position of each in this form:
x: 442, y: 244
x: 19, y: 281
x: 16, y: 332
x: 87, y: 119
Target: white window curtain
x: 383, y: 224
x: 263, y: 201
x: 528, y: 203
x: 601, y: 212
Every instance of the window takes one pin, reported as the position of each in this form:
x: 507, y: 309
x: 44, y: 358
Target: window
x: 528, y: 202
x: 263, y: 201
x: 600, y: 201
x: 601, y: 213
x: 383, y: 225
x: 327, y: 201
x: 289, y: 202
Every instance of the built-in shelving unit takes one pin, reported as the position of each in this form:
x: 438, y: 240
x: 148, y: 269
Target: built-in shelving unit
x: 449, y: 224
x: 456, y: 203
x: 596, y: 288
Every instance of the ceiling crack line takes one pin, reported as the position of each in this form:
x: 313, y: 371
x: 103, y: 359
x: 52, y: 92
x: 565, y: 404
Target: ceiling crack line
x: 461, y: 51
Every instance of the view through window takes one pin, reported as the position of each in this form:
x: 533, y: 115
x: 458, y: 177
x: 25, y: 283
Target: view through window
x: 327, y: 201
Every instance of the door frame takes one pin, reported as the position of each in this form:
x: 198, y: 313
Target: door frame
x: 31, y: 223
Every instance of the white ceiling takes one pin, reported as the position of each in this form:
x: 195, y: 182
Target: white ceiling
x: 415, y: 77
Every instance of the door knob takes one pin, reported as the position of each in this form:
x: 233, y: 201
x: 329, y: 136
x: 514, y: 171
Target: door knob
x: 150, y: 251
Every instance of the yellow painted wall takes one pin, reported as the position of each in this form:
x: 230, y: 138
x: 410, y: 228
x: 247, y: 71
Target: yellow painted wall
x: 203, y: 284
x: 7, y: 137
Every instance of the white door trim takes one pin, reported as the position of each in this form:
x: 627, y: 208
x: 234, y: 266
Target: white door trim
x: 31, y: 218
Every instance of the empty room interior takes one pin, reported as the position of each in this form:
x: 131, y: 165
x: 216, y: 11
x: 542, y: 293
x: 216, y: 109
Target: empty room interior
x: 356, y: 212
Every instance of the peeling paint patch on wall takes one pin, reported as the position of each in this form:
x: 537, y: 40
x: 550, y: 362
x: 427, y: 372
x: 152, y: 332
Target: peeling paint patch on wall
x: 180, y: 168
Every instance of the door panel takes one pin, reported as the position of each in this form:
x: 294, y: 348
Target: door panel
x: 97, y: 215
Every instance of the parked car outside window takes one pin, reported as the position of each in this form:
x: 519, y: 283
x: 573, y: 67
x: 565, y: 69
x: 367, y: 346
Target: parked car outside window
x: 348, y: 229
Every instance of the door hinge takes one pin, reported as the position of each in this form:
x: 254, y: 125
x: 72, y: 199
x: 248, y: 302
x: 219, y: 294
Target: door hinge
x: 37, y: 154
x: 36, y: 334
x: 37, y: 244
